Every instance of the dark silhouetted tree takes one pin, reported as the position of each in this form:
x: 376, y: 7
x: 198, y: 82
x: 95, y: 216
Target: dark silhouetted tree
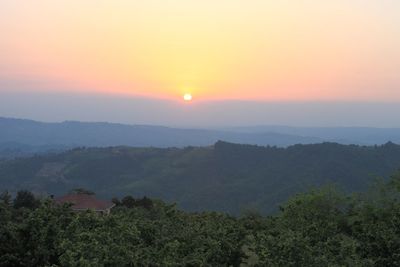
x: 25, y: 199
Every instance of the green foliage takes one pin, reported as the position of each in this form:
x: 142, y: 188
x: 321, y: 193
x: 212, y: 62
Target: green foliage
x: 311, y: 230
x: 5, y: 198
x: 91, y: 240
x: 225, y: 177
x: 131, y: 202
x: 25, y: 199
x: 321, y: 228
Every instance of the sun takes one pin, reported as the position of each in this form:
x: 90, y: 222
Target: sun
x: 187, y: 97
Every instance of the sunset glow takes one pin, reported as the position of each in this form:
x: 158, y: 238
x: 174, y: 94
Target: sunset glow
x: 231, y: 49
x: 187, y: 97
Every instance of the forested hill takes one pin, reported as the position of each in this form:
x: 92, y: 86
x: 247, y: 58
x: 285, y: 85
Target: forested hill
x: 224, y: 177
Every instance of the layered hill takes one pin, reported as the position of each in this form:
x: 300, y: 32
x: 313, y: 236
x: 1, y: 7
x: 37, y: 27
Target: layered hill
x: 223, y: 177
x: 100, y: 134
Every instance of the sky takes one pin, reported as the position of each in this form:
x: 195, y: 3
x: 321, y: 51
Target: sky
x: 251, y: 58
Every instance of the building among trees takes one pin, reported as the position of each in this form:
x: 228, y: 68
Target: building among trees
x: 83, y: 200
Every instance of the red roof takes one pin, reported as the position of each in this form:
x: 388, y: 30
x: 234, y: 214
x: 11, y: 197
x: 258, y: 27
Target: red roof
x: 84, y: 202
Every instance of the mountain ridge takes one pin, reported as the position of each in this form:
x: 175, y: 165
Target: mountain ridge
x: 23, y: 137
x: 224, y: 177
x: 76, y: 133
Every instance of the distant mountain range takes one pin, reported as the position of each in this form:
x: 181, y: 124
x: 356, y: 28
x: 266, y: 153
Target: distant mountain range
x: 19, y: 137
x: 343, y: 135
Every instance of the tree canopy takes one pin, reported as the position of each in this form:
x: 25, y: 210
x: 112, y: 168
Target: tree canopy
x: 323, y: 227
x: 225, y: 177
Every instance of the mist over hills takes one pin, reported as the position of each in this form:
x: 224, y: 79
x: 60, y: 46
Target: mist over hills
x: 100, y: 134
x: 20, y: 137
x: 343, y: 135
x: 191, y: 166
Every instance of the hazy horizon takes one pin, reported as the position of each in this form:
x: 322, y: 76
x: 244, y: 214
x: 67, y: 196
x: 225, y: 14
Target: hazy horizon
x: 57, y: 107
x: 297, y: 63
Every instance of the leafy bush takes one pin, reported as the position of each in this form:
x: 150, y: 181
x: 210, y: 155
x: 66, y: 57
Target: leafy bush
x: 320, y: 228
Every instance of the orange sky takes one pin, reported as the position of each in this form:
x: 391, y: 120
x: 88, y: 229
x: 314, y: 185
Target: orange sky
x: 225, y: 49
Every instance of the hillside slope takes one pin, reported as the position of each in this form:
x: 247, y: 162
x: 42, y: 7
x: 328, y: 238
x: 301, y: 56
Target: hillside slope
x: 224, y: 177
